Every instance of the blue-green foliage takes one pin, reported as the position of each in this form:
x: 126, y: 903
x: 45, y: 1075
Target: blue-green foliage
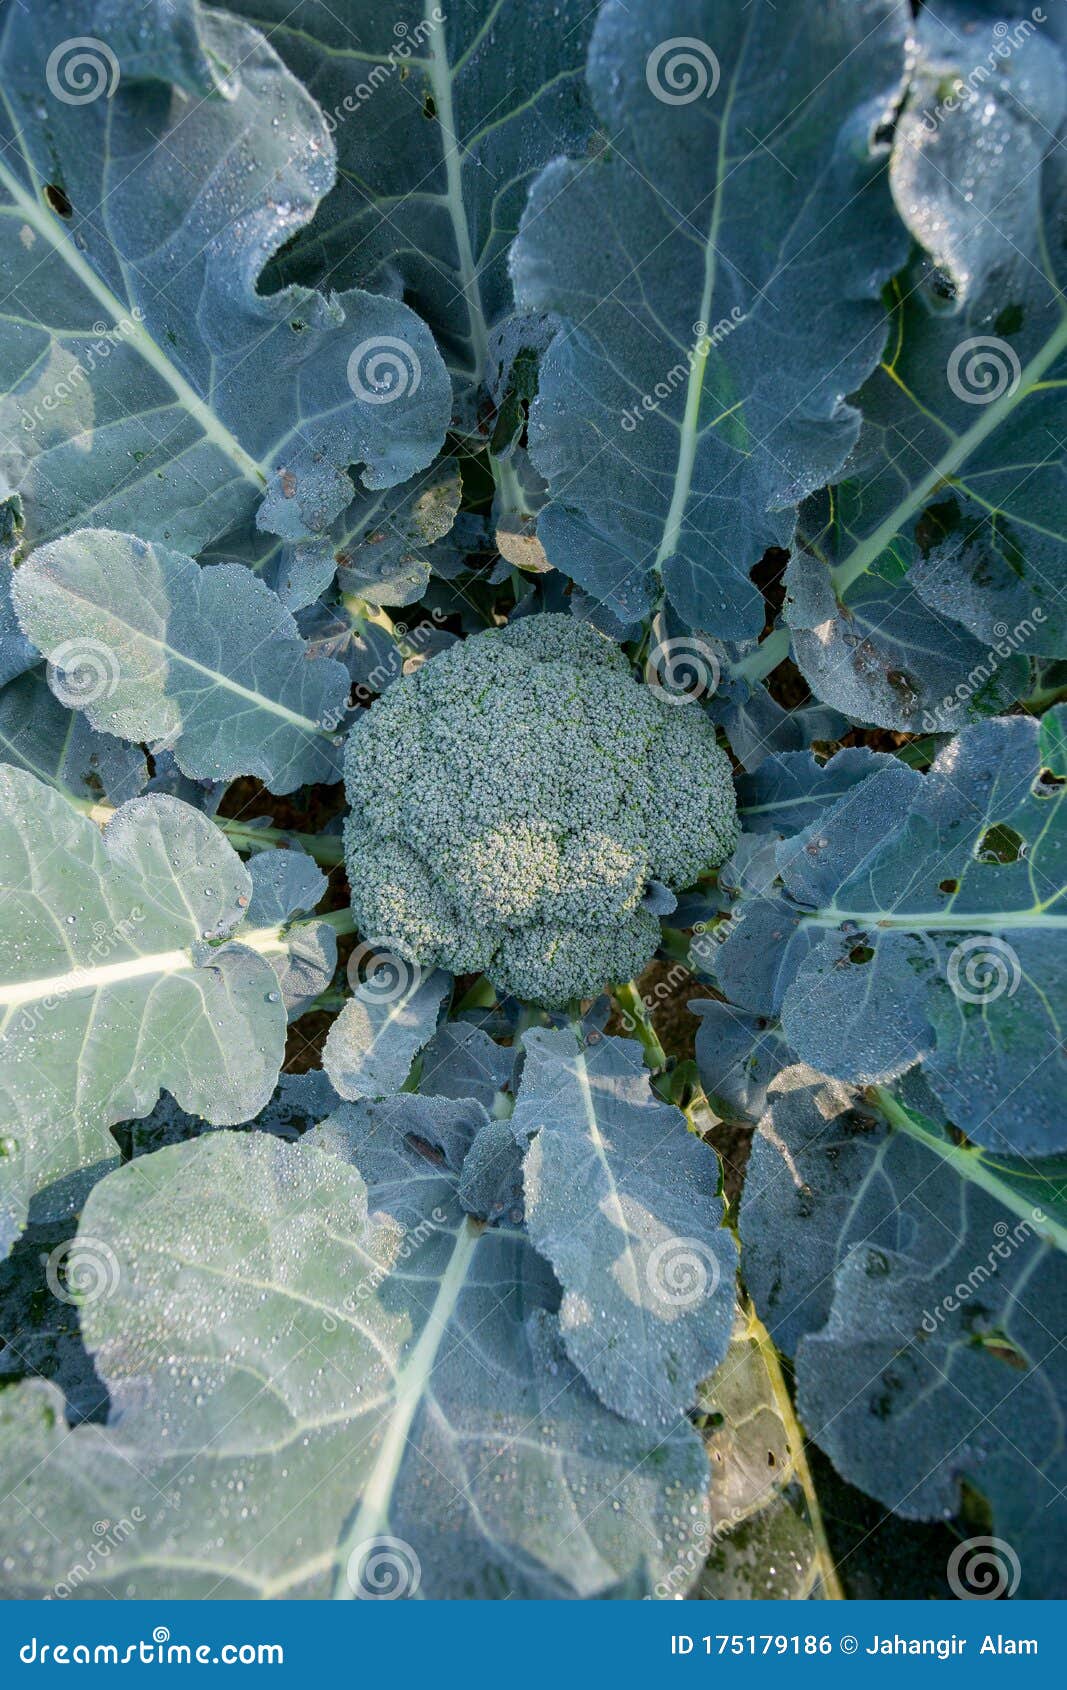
x: 626, y: 441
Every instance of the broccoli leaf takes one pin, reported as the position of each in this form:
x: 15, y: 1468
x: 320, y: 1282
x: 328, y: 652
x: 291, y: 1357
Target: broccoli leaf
x: 16, y: 653
x: 463, y: 1061
x: 383, y: 1025
x: 945, y: 541
x: 923, y: 1295
x: 286, y: 884
x: 112, y: 989
x: 421, y: 1431
x: 60, y: 746
x: 204, y: 661
x: 148, y: 383
x: 762, y: 1547
x: 623, y: 1200
x: 789, y: 791
x: 920, y: 920
x: 696, y: 390
x: 441, y: 116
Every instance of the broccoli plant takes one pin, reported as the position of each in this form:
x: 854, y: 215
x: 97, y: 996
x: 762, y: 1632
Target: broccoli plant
x: 533, y: 737
x: 519, y: 805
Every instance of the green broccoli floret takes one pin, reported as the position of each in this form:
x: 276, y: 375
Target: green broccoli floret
x: 512, y: 800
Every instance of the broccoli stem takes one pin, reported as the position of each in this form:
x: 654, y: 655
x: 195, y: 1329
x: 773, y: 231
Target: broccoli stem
x: 759, y: 663
x: 634, y: 1011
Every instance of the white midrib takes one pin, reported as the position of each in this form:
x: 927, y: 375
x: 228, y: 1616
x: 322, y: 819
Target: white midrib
x: 860, y: 560
x: 938, y: 920
x: 134, y: 333
x: 372, y: 1516
x: 688, y: 435
x: 224, y: 682
x: 268, y: 941
x: 441, y: 84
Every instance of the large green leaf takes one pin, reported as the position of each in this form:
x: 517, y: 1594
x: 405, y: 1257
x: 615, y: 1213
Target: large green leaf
x: 943, y: 555
x: 925, y: 1297
x: 111, y: 988
x: 206, y: 661
x: 441, y: 114
x: 624, y: 1202
x: 718, y: 272
x: 921, y: 919
x: 148, y: 385
x: 309, y: 1399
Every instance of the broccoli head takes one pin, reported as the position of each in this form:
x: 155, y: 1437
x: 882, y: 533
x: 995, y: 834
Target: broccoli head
x: 512, y: 800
